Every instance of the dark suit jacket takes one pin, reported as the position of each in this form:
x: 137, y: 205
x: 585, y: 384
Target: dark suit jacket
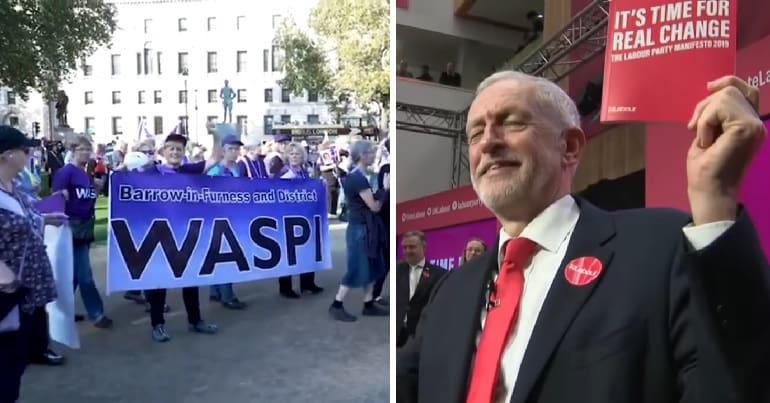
x: 661, y: 324
x: 412, y: 308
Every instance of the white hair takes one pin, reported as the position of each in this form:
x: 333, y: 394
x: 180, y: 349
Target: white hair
x: 550, y: 98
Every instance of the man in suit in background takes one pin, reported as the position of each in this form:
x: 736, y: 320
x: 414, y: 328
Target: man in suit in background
x: 575, y: 304
x: 415, y: 279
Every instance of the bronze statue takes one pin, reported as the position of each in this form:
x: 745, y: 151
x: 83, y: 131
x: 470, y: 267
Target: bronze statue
x: 227, y: 95
x: 61, y: 108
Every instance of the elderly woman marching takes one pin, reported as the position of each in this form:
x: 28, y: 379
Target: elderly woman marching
x: 295, y: 157
x: 26, y: 277
x: 365, y: 234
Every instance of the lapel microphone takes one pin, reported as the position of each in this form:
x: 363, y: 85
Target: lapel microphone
x: 491, y: 301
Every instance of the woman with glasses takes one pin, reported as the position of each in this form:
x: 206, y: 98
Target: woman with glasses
x: 80, y: 191
x: 295, y: 157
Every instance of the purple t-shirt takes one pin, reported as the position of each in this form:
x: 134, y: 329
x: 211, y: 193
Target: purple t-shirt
x: 82, y: 194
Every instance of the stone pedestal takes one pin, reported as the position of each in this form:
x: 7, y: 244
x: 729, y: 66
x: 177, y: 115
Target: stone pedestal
x: 64, y: 134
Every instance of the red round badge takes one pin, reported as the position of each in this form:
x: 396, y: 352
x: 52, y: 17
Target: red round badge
x: 583, y: 270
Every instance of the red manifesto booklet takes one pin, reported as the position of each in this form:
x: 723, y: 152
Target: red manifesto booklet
x: 661, y: 53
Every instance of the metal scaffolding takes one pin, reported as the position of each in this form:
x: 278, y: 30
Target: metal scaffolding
x: 584, y: 37
x: 437, y: 122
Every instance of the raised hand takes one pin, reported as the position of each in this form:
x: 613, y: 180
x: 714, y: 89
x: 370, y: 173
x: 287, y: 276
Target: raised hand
x: 728, y: 135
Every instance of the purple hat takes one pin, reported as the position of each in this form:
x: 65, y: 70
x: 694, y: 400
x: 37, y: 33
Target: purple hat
x: 231, y: 140
x: 279, y: 138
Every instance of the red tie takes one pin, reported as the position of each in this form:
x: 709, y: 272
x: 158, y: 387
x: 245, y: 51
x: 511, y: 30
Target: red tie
x: 501, y: 317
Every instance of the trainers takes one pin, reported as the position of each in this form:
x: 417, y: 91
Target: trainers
x: 103, y: 323
x: 159, y: 334
x: 374, y: 310
x: 341, y: 314
x: 203, y: 327
x: 136, y: 297
x: 234, y: 304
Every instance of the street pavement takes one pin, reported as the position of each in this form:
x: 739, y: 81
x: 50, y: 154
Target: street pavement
x: 278, y: 350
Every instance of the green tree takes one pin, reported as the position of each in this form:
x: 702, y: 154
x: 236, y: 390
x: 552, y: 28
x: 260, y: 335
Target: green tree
x: 357, y: 33
x: 43, y: 41
x: 304, y: 62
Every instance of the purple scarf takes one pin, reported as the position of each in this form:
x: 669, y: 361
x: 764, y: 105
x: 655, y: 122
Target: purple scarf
x: 255, y: 169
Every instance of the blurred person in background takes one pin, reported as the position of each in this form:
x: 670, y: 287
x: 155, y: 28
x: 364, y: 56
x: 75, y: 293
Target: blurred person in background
x: 415, y: 279
x: 274, y: 159
x: 364, y: 236
x: 295, y: 158
x: 54, y: 159
x: 382, y: 175
x: 26, y: 276
x: 327, y: 167
x: 252, y: 161
x: 473, y: 248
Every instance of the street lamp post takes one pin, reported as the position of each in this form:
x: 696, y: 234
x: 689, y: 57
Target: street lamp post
x: 196, y: 115
x: 186, y: 110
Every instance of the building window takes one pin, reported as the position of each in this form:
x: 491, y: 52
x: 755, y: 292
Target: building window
x: 182, y: 61
x: 285, y: 119
x: 116, y: 97
x: 158, y: 56
x: 240, y: 61
x: 88, y: 70
x: 313, y: 120
x: 211, y: 24
x: 211, y: 119
x: 140, y: 97
x: 147, y: 26
x: 139, y: 64
x: 11, y: 98
x: 115, y: 65
x: 266, y: 60
x: 312, y: 96
x: 13, y: 121
x: 211, y: 62
x: 182, y: 125
x: 117, y: 126
x: 157, y: 125
x: 89, y: 97
x: 285, y: 95
x: 241, y: 95
x: 268, y: 95
x: 241, y: 121
x: 276, y: 20
x: 183, y: 96
x: 267, y: 122
x: 157, y: 97
x: 212, y: 96
x: 277, y: 58
x: 88, y: 124
x: 240, y: 22
x: 182, y: 24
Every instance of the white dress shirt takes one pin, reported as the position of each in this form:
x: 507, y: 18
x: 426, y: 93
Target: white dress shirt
x: 552, y: 231
x: 415, y: 273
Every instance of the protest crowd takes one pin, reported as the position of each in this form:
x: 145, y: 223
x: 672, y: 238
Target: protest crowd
x: 354, y: 172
